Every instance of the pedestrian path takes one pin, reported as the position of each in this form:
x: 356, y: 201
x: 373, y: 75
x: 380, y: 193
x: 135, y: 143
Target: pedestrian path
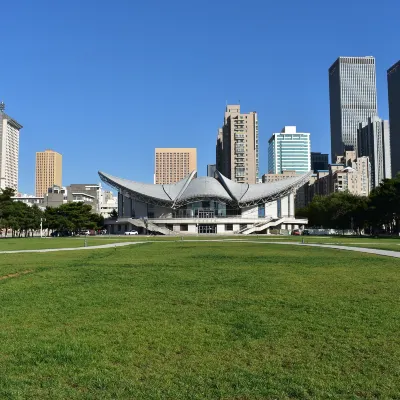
x: 100, y: 246
x: 387, y: 253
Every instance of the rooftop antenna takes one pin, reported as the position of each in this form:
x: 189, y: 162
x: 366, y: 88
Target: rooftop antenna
x: 2, y: 106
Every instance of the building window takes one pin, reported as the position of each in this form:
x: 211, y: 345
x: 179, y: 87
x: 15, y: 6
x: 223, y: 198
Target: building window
x: 229, y: 227
x: 183, y: 227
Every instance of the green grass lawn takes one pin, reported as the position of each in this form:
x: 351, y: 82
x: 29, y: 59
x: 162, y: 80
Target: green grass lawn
x: 10, y: 244
x: 185, y: 320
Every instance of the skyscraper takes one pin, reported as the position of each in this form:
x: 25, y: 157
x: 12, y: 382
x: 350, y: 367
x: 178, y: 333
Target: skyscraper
x: 352, y: 95
x: 174, y: 164
x: 9, y: 150
x: 289, y: 151
x: 319, y: 162
x: 48, y: 171
x: 237, y: 146
x: 393, y: 77
x: 211, y: 168
x: 373, y: 141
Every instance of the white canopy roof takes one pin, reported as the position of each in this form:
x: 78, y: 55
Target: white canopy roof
x: 193, y: 189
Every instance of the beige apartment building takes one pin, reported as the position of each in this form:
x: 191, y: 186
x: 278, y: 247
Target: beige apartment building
x: 48, y: 171
x: 349, y: 174
x: 237, y: 146
x: 267, y: 178
x: 174, y: 164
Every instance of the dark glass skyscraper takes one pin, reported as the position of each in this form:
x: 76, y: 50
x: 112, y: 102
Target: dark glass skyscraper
x: 352, y: 95
x: 319, y: 162
x: 393, y: 77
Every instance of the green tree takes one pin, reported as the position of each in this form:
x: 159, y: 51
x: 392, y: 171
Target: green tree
x: 6, y: 207
x: 114, y: 214
x: 341, y: 210
x: 385, y: 205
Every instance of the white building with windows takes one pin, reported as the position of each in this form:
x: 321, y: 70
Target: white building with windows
x: 289, y: 150
x: 108, y: 203
x: 9, y: 150
x: 205, y: 205
x: 29, y: 200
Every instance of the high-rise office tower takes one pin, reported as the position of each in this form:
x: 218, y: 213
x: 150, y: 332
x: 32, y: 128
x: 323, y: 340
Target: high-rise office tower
x: 48, y: 171
x: 373, y: 141
x: 289, y: 151
x: 393, y: 77
x: 172, y: 165
x: 237, y: 146
x: 352, y: 96
x: 211, y: 168
x: 9, y: 150
x: 319, y: 162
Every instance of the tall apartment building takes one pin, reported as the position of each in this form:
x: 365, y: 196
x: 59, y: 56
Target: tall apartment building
x: 319, y: 162
x: 48, y: 171
x: 349, y: 174
x: 352, y: 96
x: 393, y: 77
x: 289, y: 151
x: 373, y: 141
x: 174, y: 164
x: 353, y: 176
x: 237, y: 146
x: 9, y: 150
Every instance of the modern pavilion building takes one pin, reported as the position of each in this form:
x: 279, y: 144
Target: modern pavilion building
x: 205, y: 205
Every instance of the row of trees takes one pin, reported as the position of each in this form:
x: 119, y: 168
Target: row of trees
x: 380, y: 211
x: 24, y: 220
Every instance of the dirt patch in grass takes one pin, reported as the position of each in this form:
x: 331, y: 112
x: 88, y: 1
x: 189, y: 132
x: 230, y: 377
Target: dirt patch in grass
x: 16, y: 275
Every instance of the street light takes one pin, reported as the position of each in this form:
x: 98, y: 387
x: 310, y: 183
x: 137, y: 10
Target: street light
x: 41, y: 226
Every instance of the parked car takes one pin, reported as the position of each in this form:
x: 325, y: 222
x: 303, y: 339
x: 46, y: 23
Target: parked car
x: 85, y: 232
x: 61, y: 233
x: 132, y: 232
x: 306, y: 232
x: 296, y: 232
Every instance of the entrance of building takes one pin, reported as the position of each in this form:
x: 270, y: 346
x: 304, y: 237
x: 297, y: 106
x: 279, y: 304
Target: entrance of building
x: 206, y: 214
x: 207, y: 228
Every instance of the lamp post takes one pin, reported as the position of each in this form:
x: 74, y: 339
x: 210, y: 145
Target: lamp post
x: 41, y: 225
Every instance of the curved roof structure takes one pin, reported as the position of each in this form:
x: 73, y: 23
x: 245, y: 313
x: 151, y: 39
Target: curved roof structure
x: 193, y: 189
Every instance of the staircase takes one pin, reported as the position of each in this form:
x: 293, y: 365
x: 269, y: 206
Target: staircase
x: 260, y: 226
x: 150, y: 226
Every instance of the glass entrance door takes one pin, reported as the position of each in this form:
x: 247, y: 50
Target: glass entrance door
x: 207, y: 228
x: 206, y: 213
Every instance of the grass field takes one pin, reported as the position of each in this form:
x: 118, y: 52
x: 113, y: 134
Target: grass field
x: 11, y: 244
x: 185, y: 320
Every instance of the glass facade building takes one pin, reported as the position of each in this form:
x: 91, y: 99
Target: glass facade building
x: 319, y: 162
x: 352, y: 97
x: 289, y: 151
x: 393, y: 77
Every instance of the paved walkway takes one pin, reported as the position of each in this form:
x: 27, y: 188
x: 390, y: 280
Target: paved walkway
x: 100, y: 246
x: 388, y: 253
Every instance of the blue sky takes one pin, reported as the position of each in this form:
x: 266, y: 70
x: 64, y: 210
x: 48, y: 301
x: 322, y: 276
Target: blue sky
x: 104, y: 83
